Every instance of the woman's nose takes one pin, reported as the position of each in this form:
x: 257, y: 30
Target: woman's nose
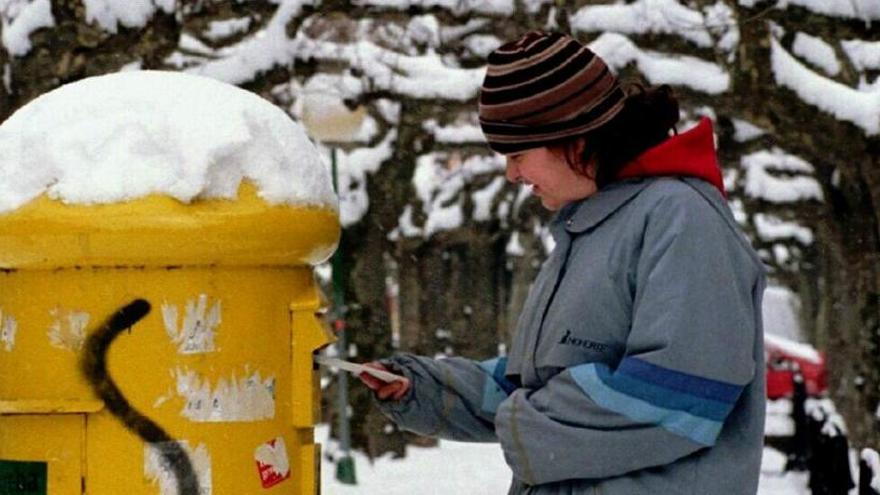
x: 511, y: 172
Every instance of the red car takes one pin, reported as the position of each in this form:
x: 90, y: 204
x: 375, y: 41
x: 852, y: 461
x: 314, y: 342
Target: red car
x: 783, y: 356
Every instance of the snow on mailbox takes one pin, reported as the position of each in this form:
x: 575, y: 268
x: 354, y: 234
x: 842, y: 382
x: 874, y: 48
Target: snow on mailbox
x: 157, y: 300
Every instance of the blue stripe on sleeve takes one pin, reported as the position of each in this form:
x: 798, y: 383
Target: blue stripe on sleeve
x: 682, y: 382
x: 697, y: 429
x: 498, y: 375
x: 664, y: 397
x: 497, y: 387
x: 489, y: 365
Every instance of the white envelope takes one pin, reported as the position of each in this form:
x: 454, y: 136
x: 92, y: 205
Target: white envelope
x: 357, y: 369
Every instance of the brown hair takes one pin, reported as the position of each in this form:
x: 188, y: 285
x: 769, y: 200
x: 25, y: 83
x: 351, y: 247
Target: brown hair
x: 644, y: 122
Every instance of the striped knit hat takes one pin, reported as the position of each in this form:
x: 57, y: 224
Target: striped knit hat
x: 543, y: 88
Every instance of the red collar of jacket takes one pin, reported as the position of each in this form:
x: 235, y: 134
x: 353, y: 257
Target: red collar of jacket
x: 691, y: 154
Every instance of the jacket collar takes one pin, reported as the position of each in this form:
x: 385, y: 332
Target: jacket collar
x: 586, y: 214
x: 689, y: 154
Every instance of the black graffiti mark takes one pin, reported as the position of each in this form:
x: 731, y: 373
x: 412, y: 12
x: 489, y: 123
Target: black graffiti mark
x: 94, y: 366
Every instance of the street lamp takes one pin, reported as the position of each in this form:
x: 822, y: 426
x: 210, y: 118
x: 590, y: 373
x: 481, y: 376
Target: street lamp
x: 329, y: 121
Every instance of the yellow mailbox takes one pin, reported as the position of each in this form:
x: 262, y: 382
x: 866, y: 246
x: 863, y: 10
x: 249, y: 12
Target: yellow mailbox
x: 209, y: 389
x: 223, y: 361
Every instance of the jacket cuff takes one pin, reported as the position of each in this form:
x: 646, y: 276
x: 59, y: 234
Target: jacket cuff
x: 395, y: 409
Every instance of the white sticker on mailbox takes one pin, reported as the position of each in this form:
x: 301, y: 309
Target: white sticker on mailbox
x: 200, y: 321
x: 250, y: 398
x: 8, y: 326
x: 68, y: 330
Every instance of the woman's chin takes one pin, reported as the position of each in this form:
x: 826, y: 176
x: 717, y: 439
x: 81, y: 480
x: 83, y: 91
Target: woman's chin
x: 550, y: 204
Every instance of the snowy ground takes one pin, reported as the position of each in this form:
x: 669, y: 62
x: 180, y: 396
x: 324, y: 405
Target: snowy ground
x: 456, y: 467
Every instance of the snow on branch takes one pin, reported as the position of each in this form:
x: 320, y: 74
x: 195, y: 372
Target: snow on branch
x: 456, y: 32
x: 722, y: 23
x: 817, y: 52
x: 534, y: 6
x: 193, y: 45
x: 738, y: 210
x: 761, y: 184
x: 456, y: 133
x: 481, y: 45
x: 267, y: 48
x: 744, y: 130
x: 866, y: 10
x: 659, y: 68
x: 353, y: 168
x: 110, y: 14
x: 715, y: 26
x: 20, y: 18
x: 219, y: 30
x: 416, y: 76
x: 514, y: 246
x: 437, y: 188
x: 484, y: 198
x: 862, y: 108
x: 424, y: 29
x: 864, y: 55
x: 771, y: 228
x: 457, y: 7
x: 643, y: 17
x: 438, y: 180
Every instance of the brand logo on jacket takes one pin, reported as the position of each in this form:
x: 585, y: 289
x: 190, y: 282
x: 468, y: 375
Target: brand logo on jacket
x: 591, y: 345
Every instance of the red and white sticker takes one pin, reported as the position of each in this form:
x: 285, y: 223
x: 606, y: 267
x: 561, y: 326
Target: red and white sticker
x: 272, y: 462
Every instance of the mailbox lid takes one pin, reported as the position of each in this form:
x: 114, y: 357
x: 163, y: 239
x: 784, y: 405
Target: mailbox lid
x: 161, y: 231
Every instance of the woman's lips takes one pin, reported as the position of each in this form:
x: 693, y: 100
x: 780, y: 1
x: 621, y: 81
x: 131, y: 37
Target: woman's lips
x: 531, y: 189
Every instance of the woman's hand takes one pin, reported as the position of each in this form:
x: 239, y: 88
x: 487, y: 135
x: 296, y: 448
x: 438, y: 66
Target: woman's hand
x: 384, y: 390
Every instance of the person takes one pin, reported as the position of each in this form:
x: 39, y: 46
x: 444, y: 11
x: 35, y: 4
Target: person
x: 637, y: 362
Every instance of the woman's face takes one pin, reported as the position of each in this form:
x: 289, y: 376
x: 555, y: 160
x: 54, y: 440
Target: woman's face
x: 553, y: 180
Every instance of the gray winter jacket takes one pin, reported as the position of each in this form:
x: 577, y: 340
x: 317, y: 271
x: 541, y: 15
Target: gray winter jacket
x: 637, y: 365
